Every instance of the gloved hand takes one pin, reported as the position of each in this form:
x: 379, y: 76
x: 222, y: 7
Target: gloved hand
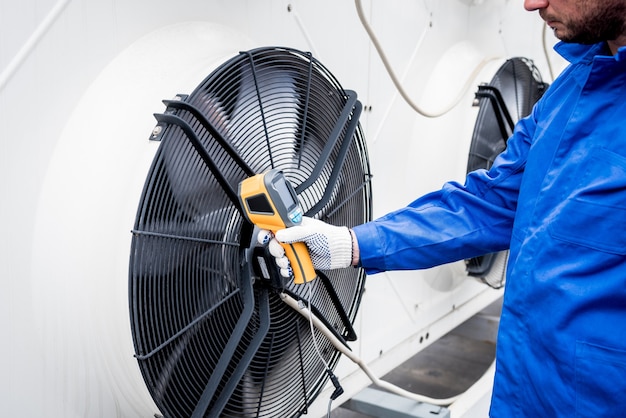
x: 330, y: 246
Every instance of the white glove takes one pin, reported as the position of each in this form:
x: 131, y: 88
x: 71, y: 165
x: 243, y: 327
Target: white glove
x: 330, y: 246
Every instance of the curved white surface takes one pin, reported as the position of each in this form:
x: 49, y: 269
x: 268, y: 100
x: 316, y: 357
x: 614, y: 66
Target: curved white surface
x: 86, y: 210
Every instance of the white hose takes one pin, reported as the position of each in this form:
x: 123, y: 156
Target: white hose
x: 398, y: 84
x: 345, y: 351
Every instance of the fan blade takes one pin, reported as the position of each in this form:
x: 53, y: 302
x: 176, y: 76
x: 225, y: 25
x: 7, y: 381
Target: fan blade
x: 338, y: 164
x: 193, y: 138
x: 351, y: 107
x: 225, y: 144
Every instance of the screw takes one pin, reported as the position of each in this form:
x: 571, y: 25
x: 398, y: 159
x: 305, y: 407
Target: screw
x: 157, y: 131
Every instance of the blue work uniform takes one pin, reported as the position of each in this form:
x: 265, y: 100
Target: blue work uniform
x: 557, y: 198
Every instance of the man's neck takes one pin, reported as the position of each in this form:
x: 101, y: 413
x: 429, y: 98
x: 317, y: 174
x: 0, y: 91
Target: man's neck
x: 616, y: 44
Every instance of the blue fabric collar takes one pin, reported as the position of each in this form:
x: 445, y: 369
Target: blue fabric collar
x: 575, y: 53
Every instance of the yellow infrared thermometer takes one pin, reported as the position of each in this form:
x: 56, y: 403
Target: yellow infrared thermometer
x: 269, y: 201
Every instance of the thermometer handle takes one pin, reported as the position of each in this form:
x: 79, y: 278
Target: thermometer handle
x: 301, y: 264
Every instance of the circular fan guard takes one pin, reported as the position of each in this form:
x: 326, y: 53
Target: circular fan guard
x: 510, y: 96
x: 211, y: 334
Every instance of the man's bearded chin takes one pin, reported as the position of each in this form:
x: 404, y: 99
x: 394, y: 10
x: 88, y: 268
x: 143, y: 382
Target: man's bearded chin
x: 606, y: 27
x: 608, y: 31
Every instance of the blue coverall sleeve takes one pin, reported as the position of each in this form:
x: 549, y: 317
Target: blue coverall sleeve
x: 456, y: 222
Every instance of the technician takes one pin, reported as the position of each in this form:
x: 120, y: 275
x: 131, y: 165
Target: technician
x: 557, y: 199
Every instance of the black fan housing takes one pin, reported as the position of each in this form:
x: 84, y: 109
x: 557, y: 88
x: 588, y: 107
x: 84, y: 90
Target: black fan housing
x: 510, y: 96
x: 212, y: 336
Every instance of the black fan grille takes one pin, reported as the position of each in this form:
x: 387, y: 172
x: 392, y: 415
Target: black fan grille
x: 510, y: 96
x: 211, y: 339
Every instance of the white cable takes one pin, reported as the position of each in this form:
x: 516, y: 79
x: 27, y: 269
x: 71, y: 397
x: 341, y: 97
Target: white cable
x: 357, y: 360
x: 396, y: 81
x: 319, y: 353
